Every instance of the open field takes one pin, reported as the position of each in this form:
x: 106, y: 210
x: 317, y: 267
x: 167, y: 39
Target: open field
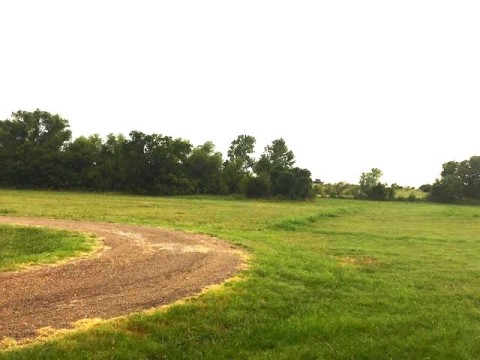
x: 333, y: 279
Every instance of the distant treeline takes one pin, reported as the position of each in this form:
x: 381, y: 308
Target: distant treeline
x: 459, y: 183
x: 37, y: 151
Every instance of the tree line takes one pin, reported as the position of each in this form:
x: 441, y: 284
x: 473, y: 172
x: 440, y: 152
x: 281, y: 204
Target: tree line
x: 37, y: 151
x: 369, y: 187
x: 459, y: 182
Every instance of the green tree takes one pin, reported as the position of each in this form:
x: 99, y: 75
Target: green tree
x: 458, y: 181
x: 241, y: 151
x: 371, y: 188
x: 204, y: 169
x: 239, y: 165
x: 469, y: 173
x: 155, y: 164
x: 169, y: 158
x: 108, y: 170
x: 135, y: 164
x: 82, y: 157
x: 257, y: 187
x: 426, y: 188
x: 277, y: 175
x: 31, y: 149
x: 275, y: 158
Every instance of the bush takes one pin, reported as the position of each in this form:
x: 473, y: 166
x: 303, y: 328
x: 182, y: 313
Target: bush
x: 443, y: 193
x: 257, y: 187
x: 379, y: 192
x: 426, y: 188
x: 412, y: 197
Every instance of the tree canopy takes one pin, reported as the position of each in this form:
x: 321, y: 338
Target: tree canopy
x: 458, y: 182
x: 31, y: 149
x: 36, y: 151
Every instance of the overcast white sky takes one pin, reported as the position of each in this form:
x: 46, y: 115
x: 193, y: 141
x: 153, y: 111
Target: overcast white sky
x: 350, y: 85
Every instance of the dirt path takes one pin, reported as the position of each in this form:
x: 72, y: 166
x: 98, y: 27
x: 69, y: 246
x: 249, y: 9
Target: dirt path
x: 139, y: 268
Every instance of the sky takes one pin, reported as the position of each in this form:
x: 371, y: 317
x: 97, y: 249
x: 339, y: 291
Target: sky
x: 349, y: 85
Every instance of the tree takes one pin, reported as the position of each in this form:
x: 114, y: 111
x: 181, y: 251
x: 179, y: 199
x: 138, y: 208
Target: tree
x: 371, y: 187
x: 155, y: 164
x: 36, y: 152
x: 169, y: 159
x: 276, y: 173
x: 31, y: 149
x: 135, y: 163
x: 458, y: 181
x: 469, y: 173
x: 425, y: 188
x: 81, y: 157
x: 240, y: 163
x: 275, y: 158
x: 204, y: 168
x: 241, y: 151
x: 257, y: 187
x: 109, y: 167
x: 449, y: 187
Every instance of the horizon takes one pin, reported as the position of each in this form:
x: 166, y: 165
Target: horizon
x: 259, y: 148
x: 350, y: 86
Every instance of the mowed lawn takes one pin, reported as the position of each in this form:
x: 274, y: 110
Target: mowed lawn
x: 328, y: 279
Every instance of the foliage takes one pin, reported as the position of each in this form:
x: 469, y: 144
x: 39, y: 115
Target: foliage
x: 459, y: 181
x: 36, y: 152
x: 241, y: 151
x: 257, y: 187
x: 275, y: 168
x: 340, y: 190
x: 31, y: 145
x: 240, y: 163
x: 327, y: 279
x: 276, y: 158
x: 203, y: 168
x: 426, y: 188
x: 371, y: 188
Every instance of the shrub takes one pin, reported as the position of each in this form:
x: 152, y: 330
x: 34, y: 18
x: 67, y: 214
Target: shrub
x: 257, y: 187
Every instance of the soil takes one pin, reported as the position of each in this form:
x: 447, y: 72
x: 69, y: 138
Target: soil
x: 137, y: 268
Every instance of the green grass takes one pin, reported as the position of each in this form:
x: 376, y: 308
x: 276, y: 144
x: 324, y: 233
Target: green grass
x: 328, y: 279
x: 21, y: 246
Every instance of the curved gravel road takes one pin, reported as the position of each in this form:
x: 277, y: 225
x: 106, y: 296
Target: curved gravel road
x: 137, y: 268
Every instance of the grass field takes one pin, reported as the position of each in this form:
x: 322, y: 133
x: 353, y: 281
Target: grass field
x: 409, y: 194
x: 21, y: 246
x: 329, y: 279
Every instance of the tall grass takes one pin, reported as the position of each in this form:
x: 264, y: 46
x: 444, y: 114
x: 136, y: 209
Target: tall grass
x: 328, y: 279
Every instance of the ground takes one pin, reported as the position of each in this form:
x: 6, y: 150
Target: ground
x: 136, y: 268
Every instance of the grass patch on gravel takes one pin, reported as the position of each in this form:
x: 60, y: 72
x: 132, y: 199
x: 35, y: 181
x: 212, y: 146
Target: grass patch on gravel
x: 328, y: 279
x: 21, y: 246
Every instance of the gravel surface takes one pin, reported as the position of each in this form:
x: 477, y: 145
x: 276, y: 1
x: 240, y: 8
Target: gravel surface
x: 137, y: 268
